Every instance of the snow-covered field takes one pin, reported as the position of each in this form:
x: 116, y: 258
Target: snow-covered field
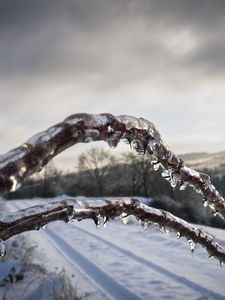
x: 126, y: 262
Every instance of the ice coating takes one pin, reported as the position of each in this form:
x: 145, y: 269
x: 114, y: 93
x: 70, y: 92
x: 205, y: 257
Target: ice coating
x: 100, y: 211
x: 141, y: 134
x: 2, y: 249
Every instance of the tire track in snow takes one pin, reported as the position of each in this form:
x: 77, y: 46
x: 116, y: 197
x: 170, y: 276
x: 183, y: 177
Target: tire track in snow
x: 182, y: 280
x: 107, y: 284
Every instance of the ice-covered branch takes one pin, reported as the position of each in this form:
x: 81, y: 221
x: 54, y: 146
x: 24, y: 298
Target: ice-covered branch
x: 100, y: 211
x: 141, y: 134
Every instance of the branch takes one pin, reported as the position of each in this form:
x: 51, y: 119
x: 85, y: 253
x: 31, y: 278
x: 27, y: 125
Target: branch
x: 35, y: 217
x: 141, y: 134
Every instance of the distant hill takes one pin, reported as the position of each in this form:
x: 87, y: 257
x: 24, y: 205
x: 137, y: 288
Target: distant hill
x: 202, y: 160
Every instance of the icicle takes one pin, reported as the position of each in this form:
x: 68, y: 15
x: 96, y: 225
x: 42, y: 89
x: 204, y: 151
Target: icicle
x: 178, y: 235
x: 191, y: 245
x: 144, y: 224
x: 173, y: 180
x: 213, y: 208
x: 138, y: 146
x: 2, y: 249
x: 45, y: 226
x: 183, y: 186
x: 167, y: 231
x: 162, y: 229
x: 165, y: 174
x: 152, y: 144
x: 105, y: 219
x: 221, y: 263
x: 97, y: 221
x: 124, y: 217
x: 15, y: 184
x: 216, y: 213
x: 198, y: 190
x: 37, y: 227
x: 156, y: 166
x: 205, y: 202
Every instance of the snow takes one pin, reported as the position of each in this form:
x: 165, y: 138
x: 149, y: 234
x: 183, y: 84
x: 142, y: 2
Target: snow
x: 126, y: 262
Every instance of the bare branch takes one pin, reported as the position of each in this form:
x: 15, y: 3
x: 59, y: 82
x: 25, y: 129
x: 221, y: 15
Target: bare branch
x: 35, y: 217
x: 141, y: 134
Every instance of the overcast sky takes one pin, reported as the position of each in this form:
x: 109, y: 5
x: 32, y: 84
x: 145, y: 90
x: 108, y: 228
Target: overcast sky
x: 162, y: 60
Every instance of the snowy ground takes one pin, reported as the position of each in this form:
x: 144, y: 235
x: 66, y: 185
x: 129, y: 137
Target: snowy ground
x: 126, y: 262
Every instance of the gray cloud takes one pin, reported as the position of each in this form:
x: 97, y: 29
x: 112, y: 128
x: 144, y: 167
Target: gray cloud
x: 163, y: 60
x: 110, y: 41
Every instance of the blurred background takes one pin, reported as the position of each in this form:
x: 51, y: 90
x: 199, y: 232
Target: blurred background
x: 161, y: 60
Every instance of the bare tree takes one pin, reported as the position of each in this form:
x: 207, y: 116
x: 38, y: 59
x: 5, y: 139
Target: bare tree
x: 140, y: 167
x: 51, y: 180
x: 130, y: 167
x: 96, y: 163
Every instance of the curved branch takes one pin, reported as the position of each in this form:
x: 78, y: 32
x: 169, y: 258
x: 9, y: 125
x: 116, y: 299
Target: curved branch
x: 35, y: 217
x: 141, y: 134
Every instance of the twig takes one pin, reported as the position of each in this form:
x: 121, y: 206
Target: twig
x: 100, y: 211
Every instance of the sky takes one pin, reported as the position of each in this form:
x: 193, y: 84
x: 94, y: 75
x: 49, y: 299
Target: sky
x: 158, y: 59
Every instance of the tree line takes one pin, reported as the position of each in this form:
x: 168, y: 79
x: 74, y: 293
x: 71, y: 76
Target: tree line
x: 99, y: 173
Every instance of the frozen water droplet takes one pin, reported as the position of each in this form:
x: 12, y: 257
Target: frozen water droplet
x: 173, y: 181
x: 144, y: 224
x: 178, y: 235
x: 167, y: 231
x: 162, y: 229
x: 15, y: 184
x: 2, y: 249
x: 98, y: 223
x: 154, y: 160
x: 109, y: 129
x: 138, y: 146
x: 124, y: 218
x: 191, y: 245
x: 156, y: 167
x: 183, y: 186
x: 205, y: 203
x: 212, y: 206
x: 165, y: 174
x: 152, y: 144
x: 198, y: 190
x: 22, y: 170
x: 105, y: 219
x: 216, y: 213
